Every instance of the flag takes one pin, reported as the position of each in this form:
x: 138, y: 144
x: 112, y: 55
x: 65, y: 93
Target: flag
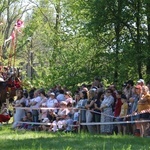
x: 17, y: 29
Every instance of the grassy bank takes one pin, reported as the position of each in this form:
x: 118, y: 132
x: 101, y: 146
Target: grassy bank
x: 31, y: 140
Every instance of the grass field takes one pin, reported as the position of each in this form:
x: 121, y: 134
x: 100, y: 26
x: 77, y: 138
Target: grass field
x: 34, y: 140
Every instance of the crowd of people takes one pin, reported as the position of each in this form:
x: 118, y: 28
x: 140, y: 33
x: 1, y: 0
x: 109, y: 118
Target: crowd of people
x: 106, y: 107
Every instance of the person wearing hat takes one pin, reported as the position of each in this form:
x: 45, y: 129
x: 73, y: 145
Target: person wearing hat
x: 141, y: 82
x: 61, y: 117
x: 123, y: 114
x: 52, y: 101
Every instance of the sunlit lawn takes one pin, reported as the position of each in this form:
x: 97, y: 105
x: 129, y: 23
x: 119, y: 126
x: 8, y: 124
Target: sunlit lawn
x: 34, y: 140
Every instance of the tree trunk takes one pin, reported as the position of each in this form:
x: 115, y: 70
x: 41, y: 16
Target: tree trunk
x: 137, y: 44
x: 148, y: 41
x: 117, y: 31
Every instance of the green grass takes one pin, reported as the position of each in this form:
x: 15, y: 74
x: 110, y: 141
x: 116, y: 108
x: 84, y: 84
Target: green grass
x: 34, y: 140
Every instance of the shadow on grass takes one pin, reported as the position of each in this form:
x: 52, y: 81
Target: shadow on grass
x: 25, y: 140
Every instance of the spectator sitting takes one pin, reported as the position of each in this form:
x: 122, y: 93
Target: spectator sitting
x: 60, y: 121
x: 4, y: 116
x: 43, y: 112
x: 27, y: 118
x: 75, y: 119
x: 69, y: 123
x: 51, y: 115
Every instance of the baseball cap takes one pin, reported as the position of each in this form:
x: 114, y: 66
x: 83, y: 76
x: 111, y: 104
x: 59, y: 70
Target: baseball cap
x: 140, y: 81
x: 52, y: 93
x: 63, y: 102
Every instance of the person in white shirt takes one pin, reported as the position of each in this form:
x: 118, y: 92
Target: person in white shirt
x: 43, y: 97
x: 52, y: 101
x: 34, y: 104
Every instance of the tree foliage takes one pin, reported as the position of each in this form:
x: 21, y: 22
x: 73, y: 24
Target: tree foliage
x: 74, y: 41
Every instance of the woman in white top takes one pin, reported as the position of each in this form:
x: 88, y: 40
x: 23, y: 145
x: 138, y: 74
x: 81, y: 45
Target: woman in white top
x: 60, y: 121
x: 43, y: 97
x: 42, y: 112
x: 52, y: 101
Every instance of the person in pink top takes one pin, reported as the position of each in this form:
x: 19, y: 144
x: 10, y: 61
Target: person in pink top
x: 68, y: 98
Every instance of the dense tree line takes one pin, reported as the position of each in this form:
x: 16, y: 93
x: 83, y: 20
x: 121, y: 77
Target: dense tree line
x: 71, y: 41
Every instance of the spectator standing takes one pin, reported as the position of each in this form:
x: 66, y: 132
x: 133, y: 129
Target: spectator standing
x: 118, y: 104
x: 19, y: 112
x: 52, y: 101
x: 34, y: 104
x: 81, y: 106
x: 144, y: 105
x: 68, y: 98
x: 117, y: 109
x: 106, y: 109
x: 123, y: 114
x: 89, y: 108
x: 97, y: 104
x: 60, y: 97
x: 133, y: 105
x: 128, y: 90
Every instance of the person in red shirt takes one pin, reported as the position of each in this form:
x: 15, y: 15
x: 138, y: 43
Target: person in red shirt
x: 4, y: 115
x: 117, y: 108
x: 118, y: 104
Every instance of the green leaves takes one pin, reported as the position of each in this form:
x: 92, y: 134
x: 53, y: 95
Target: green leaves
x: 74, y: 41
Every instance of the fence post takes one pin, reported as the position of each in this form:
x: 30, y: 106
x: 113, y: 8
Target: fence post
x: 79, y: 128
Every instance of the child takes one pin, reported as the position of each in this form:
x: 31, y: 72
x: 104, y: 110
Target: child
x: 27, y: 118
x: 123, y: 113
x: 75, y: 120
x: 69, y: 123
x: 51, y: 116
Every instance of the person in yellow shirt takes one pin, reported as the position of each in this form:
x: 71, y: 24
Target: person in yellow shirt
x: 143, y: 107
x: 123, y: 114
